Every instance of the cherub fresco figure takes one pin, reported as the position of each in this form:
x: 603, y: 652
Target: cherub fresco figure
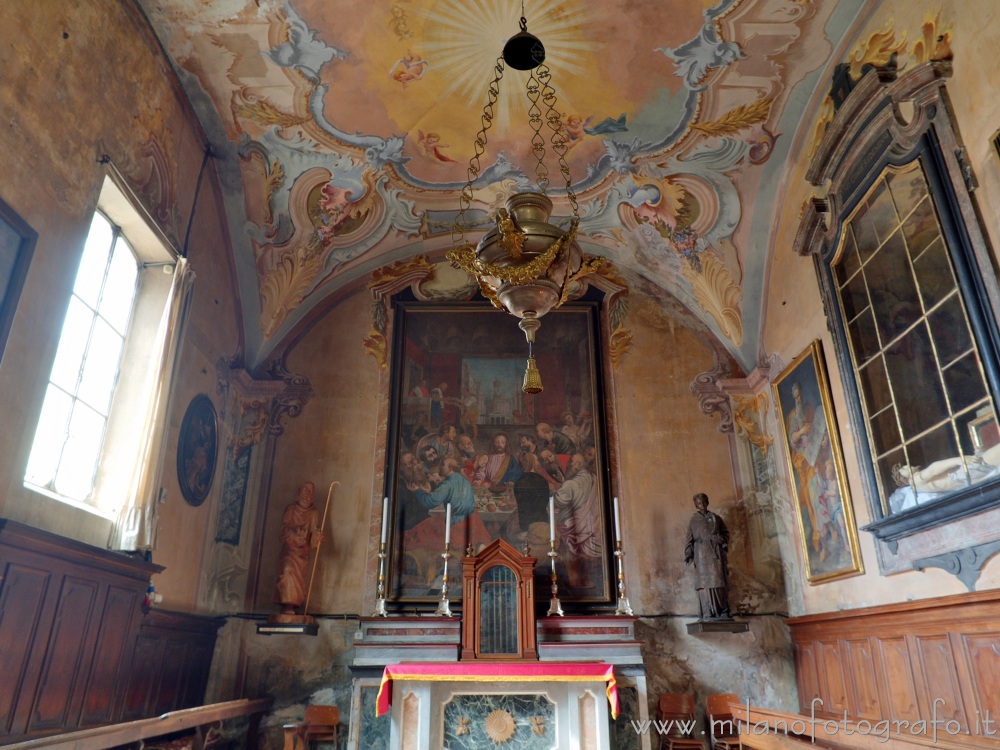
x: 430, y: 145
x: 409, y: 68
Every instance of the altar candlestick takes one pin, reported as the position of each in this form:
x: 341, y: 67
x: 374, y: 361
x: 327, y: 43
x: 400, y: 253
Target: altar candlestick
x: 447, y: 524
x: 552, y: 519
x: 618, y: 522
x: 385, y: 519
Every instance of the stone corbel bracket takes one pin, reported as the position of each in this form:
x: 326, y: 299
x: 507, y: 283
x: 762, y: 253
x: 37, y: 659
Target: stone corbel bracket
x: 965, y: 564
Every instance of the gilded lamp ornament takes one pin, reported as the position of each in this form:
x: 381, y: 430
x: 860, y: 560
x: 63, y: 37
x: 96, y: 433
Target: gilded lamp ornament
x: 525, y: 264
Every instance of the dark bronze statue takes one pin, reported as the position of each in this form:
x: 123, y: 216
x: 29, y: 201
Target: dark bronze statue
x: 708, y: 547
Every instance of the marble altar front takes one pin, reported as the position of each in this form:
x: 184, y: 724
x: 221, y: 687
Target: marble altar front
x: 453, y: 714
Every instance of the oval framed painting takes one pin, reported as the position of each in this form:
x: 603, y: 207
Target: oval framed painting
x: 197, y: 447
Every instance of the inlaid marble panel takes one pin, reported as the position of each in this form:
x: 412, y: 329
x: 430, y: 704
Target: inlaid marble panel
x: 515, y: 722
x: 623, y: 734
x: 373, y: 732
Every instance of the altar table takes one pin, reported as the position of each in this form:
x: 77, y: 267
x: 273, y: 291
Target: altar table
x: 465, y: 705
x: 494, y: 672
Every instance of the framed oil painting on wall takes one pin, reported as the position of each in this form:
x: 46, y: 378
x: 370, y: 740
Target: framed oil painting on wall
x: 197, y: 449
x: 816, y: 465
x: 462, y: 431
x: 17, y: 242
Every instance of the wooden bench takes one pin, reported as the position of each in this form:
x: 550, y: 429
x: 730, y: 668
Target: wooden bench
x: 136, y: 733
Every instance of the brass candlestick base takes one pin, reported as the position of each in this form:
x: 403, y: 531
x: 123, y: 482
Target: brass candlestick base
x: 444, y: 608
x: 380, y: 593
x: 623, y: 608
x: 555, y: 607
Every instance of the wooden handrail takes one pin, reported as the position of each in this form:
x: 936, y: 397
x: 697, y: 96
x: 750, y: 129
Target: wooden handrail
x: 785, y: 731
x: 114, y: 735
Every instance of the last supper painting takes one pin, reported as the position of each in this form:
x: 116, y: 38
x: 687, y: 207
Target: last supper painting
x: 466, y: 435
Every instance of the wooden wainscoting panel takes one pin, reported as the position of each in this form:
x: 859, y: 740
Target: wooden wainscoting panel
x: 896, y: 672
x: 22, y: 599
x: 143, y: 678
x: 937, y: 680
x: 833, y: 678
x: 982, y: 654
x: 67, y: 655
x: 170, y: 690
x: 806, y: 675
x: 102, y: 702
x: 864, y: 697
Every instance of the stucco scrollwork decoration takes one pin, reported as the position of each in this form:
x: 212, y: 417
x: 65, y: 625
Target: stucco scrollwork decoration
x: 712, y: 399
x: 290, y: 400
x: 384, y: 283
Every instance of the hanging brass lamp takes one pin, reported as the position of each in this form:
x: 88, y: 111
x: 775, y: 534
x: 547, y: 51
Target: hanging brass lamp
x: 525, y: 264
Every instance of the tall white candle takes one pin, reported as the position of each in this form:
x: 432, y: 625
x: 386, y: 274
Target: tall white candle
x: 618, y: 522
x: 385, y: 519
x: 552, y: 519
x: 447, y: 524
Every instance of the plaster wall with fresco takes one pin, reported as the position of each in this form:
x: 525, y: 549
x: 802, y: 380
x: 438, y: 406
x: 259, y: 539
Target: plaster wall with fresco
x: 794, y: 309
x: 55, y: 169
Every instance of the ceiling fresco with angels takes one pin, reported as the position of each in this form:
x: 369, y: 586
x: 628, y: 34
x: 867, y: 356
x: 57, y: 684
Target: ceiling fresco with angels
x: 343, y: 131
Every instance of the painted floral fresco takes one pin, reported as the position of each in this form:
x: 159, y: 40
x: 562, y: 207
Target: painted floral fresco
x: 352, y: 125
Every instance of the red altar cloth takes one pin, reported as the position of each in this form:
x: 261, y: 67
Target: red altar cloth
x: 497, y: 672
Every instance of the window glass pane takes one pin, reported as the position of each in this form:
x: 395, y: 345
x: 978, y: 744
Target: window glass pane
x: 921, y: 228
x: 849, y: 261
x: 937, y: 464
x: 934, y: 274
x: 892, y: 484
x: 916, y: 382
x: 94, y: 261
x: 883, y: 213
x: 864, y: 234
x: 119, y: 289
x: 101, y: 369
x: 854, y: 296
x: 964, y: 382
x: 978, y: 430
x: 875, y: 385
x: 950, y: 331
x: 75, y: 477
x: 892, y: 289
x: 50, y: 435
x: 72, y: 345
x: 885, y: 431
x: 908, y: 188
x: 864, y: 339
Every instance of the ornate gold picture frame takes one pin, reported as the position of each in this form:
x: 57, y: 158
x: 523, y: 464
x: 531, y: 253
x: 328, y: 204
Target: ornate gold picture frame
x: 816, y: 465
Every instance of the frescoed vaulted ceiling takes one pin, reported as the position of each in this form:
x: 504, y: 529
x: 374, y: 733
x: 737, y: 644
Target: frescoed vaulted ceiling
x: 343, y: 130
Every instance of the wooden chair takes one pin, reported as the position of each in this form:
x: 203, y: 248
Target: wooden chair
x: 722, y: 729
x: 320, y: 725
x: 678, y: 710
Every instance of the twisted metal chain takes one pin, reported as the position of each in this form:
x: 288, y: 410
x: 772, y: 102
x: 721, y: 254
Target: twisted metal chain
x: 558, y: 138
x: 534, y: 92
x: 479, y: 148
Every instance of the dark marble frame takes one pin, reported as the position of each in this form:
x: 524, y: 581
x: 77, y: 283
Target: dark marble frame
x: 17, y: 244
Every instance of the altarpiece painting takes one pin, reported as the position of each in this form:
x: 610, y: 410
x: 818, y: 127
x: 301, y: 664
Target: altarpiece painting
x: 462, y: 431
